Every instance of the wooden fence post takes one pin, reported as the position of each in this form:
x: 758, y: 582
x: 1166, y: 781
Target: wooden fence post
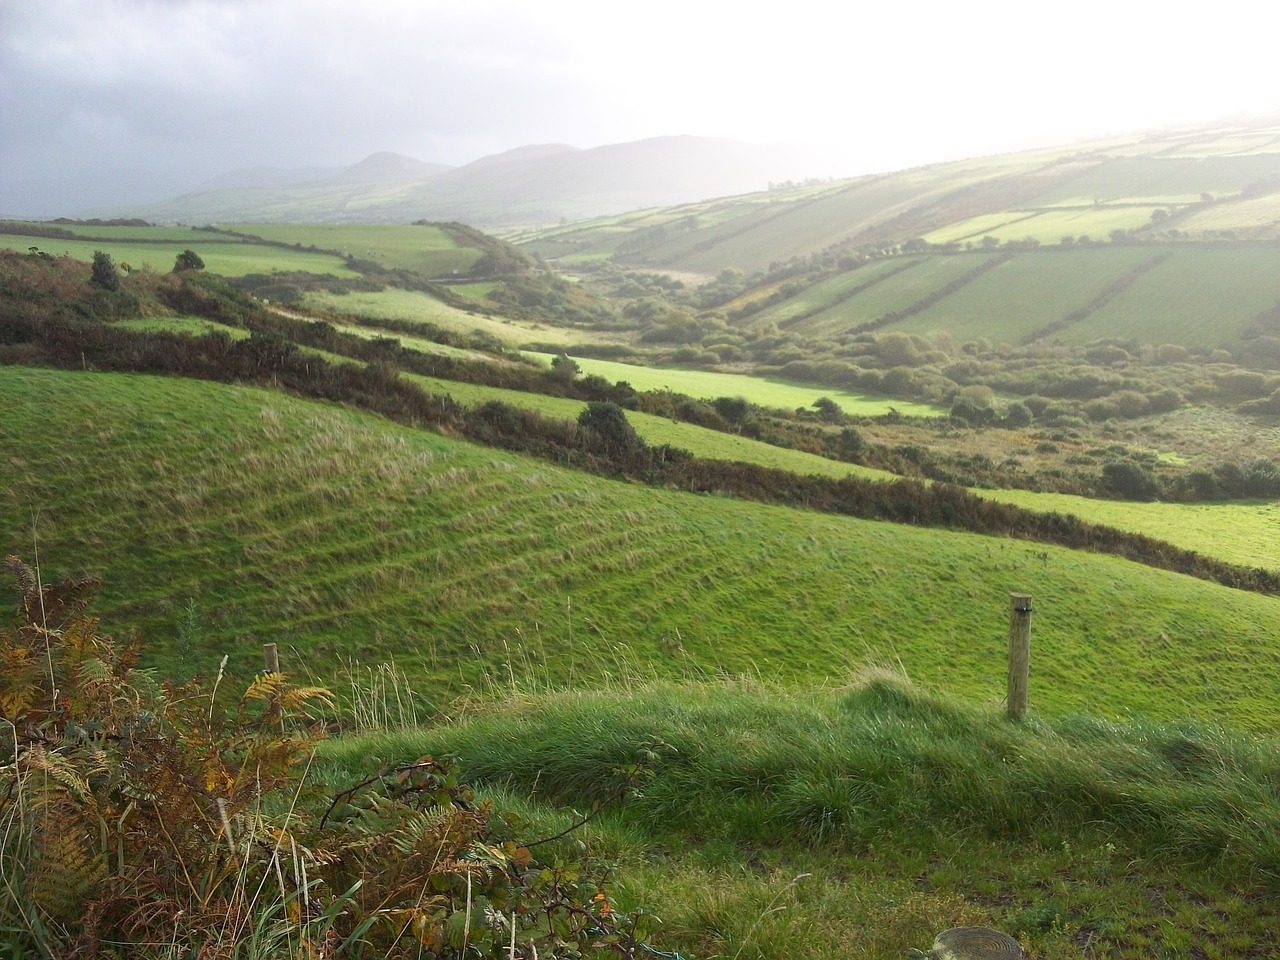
x: 1019, y: 654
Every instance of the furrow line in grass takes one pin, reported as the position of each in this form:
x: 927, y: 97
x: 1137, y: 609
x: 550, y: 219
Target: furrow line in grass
x: 1098, y: 302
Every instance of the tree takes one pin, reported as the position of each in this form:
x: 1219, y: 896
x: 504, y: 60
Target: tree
x: 105, y: 274
x: 733, y: 409
x: 828, y: 410
x: 850, y: 444
x: 565, y: 368
x: 1123, y: 478
x: 608, y: 431
x: 187, y: 260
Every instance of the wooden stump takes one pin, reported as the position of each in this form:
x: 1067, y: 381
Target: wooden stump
x: 975, y: 943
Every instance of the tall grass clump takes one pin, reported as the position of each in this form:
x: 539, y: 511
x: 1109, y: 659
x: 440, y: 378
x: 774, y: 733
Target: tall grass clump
x: 843, y: 770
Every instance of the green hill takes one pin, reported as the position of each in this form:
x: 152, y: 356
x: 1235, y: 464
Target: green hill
x: 219, y: 518
x: 1208, y: 182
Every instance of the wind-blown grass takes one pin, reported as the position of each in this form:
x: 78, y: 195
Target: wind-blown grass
x: 786, y: 823
x: 219, y: 518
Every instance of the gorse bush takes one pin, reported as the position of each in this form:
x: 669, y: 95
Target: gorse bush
x: 143, y: 819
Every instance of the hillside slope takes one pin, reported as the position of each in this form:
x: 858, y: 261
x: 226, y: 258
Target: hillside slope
x: 1211, y: 182
x: 221, y: 517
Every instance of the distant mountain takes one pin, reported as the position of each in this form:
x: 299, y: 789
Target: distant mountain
x: 267, y: 177
x: 532, y: 184
x: 388, y: 168
x: 379, y: 168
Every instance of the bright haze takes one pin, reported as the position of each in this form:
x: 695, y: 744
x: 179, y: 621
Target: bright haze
x: 125, y: 101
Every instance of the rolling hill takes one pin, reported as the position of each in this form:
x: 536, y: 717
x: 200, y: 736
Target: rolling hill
x: 217, y: 516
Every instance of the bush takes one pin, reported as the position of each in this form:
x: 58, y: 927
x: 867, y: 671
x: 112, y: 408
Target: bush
x: 1122, y: 478
x: 104, y: 274
x: 608, y: 431
x: 187, y: 260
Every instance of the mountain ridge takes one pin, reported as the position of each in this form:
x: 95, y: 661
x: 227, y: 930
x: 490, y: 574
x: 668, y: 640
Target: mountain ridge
x: 533, y: 183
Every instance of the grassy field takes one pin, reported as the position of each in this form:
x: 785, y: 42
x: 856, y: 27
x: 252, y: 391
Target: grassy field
x: 1198, y: 297
x: 1048, y: 226
x: 784, y: 823
x: 898, y: 292
x: 228, y: 259
x: 764, y: 391
x: 415, y: 306
x: 655, y: 431
x: 195, y: 326
x: 826, y: 293
x: 1135, y: 178
x: 1024, y: 294
x: 220, y: 517
x: 423, y: 249
x: 183, y: 235
x: 1244, y: 533
x: 1257, y: 215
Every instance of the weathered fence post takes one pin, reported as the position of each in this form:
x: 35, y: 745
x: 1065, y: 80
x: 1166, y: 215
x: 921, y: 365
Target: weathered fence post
x: 1019, y: 654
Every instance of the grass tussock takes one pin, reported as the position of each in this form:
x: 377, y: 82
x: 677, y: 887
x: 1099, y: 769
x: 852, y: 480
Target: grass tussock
x: 862, y: 820
x: 747, y: 764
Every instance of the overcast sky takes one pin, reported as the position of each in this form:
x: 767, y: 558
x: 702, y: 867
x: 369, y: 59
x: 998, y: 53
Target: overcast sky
x: 108, y: 101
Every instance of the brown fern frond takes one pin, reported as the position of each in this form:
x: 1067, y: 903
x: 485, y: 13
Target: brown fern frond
x: 24, y: 574
x: 48, y: 607
x: 59, y: 769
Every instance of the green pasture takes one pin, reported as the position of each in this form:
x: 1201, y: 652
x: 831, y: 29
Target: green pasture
x: 413, y: 343
x: 827, y: 292
x: 1050, y: 225
x: 194, y: 326
x: 177, y: 234
x: 228, y: 259
x: 975, y: 228
x: 220, y: 517
x: 477, y: 291
x: 777, y: 226
x: 423, y: 249
x: 1198, y: 297
x: 1243, y: 143
x: 896, y: 293
x: 599, y: 238
x: 709, y: 444
x: 763, y: 391
x: 418, y: 307
x: 1256, y: 216
x: 1246, y: 533
x: 1025, y: 293
x: 1135, y: 178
